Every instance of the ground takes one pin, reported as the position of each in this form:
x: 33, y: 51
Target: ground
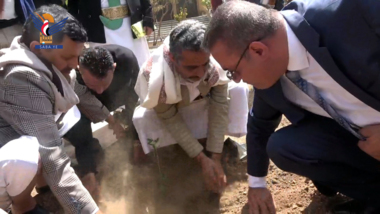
x: 140, y: 189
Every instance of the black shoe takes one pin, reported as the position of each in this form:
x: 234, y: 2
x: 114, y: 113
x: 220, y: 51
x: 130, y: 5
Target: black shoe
x: 42, y: 190
x: 37, y: 210
x: 324, y: 190
x: 354, y: 207
x: 230, y: 152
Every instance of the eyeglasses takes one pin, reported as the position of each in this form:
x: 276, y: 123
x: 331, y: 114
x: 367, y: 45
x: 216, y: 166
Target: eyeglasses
x: 230, y: 74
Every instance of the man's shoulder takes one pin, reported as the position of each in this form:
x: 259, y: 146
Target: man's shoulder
x: 320, y: 6
x: 17, y: 76
x: 21, y: 71
x: 119, y: 51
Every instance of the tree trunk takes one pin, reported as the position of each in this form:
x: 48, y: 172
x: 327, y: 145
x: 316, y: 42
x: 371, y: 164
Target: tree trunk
x: 162, y: 17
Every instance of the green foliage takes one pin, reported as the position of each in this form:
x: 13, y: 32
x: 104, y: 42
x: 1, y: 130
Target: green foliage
x: 207, y: 4
x: 162, y: 182
x: 181, y: 15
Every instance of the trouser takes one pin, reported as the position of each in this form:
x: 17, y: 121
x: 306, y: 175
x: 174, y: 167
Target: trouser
x: 320, y: 149
x: 88, y: 151
x: 18, y: 167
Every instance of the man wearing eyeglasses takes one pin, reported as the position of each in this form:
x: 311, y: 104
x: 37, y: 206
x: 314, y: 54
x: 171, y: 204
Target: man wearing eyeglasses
x: 185, y: 97
x: 317, y: 63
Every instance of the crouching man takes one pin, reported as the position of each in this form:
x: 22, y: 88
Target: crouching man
x: 184, y: 99
x: 106, y: 77
x: 36, y: 95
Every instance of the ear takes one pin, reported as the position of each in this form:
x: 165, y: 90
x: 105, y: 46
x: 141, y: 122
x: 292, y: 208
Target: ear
x: 259, y: 50
x: 171, y: 56
x: 114, y: 66
x: 32, y: 47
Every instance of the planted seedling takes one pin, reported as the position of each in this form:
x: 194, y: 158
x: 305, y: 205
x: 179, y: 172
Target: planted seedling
x: 154, y: 144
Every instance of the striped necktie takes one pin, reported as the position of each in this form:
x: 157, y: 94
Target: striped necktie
x: 314, y: 94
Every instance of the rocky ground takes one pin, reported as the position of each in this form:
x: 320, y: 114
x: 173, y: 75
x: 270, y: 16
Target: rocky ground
x: 141, y: 189
x: 132, y: 189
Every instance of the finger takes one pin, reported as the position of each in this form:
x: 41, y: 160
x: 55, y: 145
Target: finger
x: 224, y: 181
x: 364, y: 131
x: 207, y: 182
x: 263, y: 208
x: 214, y: 174
x: 365, y: 146
x: 270, y: 205
x: 369, y: 130
x: 253, y: 208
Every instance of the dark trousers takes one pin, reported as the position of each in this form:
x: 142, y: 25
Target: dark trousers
x: 88, y: 151
x: 320, y: 149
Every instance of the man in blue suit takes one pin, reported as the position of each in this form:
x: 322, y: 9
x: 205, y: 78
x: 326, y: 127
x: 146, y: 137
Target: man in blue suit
x: 318, y: 63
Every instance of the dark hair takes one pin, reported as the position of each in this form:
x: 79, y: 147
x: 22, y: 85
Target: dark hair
x: 238, y: 23
x: 188, y: 35
x: 73, y: 29
x: 97, y: 60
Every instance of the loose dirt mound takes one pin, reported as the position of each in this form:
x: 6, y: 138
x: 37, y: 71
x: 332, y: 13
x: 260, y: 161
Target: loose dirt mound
x: 129, y: 189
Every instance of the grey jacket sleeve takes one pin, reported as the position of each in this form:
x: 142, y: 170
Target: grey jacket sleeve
x: 26, y: 103
x: 174, y: 123
x: 218, y: 118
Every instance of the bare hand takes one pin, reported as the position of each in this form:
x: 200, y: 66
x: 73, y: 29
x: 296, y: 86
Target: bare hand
x: 92, y: 186
x: 213, y: 173
x: 148, y: 31
x: 260, y: 201
x: 371, y: 145
x: 118, y: 130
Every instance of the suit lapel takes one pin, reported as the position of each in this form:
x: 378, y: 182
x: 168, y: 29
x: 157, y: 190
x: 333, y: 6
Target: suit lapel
x: 310, y: 40
x: 275, y: 97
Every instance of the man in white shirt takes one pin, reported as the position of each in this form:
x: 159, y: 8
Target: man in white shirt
x: 316, y: 62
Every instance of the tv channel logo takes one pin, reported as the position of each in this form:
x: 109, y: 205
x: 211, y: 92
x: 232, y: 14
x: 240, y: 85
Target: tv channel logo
x: 47, y: 27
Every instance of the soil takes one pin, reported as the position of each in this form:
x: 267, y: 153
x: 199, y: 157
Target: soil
x: 141, y: 189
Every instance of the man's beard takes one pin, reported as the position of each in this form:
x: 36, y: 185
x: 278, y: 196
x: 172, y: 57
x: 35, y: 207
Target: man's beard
x: 193, y: 79
x: 66, y: 70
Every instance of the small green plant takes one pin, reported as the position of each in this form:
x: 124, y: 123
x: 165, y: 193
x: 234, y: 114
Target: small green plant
x: 181, y: 15
x: 154, y: 144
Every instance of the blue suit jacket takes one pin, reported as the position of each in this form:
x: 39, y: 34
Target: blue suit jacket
x: 344, y: 38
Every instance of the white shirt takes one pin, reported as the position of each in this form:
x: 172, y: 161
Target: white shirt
x: 123, y: 37
x: 346, y: 105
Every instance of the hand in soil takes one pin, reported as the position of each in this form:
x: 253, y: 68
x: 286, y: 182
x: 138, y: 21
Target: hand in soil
x: 213, y: 174
x: 118, y: 130
x: 260, y: 201
x: 90, y: 183
x: 371, y: 145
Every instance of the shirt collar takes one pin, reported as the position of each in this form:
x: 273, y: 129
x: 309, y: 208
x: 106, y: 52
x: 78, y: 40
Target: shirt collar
x: 297, y: 52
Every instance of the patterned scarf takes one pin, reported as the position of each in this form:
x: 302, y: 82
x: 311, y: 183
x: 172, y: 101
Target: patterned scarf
x: 158, y: 82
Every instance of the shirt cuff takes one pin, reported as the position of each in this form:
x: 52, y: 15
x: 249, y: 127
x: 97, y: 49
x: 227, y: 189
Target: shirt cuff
x: 95, y: 211
x: 257, y: 182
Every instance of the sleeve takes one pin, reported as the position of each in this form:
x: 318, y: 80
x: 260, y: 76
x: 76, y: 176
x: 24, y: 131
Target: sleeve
x: 147, y: 13
x: 90, y: 105
x: 257, y: 182
x: 370, y: 11
x: 174, y: 123
x: 27, y: 105
x: 262, y: 122
x: 218, y: 118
